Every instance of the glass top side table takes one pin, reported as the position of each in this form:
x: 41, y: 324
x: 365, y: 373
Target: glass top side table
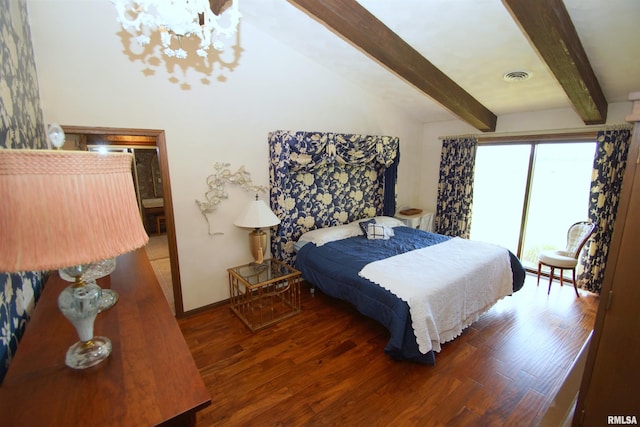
x: 263, y: 294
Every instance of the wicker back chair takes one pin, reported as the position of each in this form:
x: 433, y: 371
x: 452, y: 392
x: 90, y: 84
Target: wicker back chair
x: 577, y: 236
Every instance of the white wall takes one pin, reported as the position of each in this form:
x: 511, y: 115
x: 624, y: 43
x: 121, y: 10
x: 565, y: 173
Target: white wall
x: 561, y: 120
x: 86, y: 79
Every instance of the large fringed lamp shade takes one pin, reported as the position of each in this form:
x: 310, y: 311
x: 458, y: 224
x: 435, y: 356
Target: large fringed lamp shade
x: 64, y: 208
x: 257, y: 215
x: 68, y: 209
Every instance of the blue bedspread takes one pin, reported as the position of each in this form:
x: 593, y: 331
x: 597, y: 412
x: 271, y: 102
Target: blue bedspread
x: 333, y: 268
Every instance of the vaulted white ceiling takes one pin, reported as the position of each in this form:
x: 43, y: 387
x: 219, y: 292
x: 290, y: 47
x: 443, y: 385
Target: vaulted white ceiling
x: 474, y: 42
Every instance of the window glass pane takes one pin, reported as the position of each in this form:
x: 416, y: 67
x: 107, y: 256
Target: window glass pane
x: 498, y: 195
x: 559, y: 196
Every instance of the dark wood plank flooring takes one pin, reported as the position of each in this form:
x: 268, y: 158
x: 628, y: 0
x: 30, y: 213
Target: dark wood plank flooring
x: 326, y: 366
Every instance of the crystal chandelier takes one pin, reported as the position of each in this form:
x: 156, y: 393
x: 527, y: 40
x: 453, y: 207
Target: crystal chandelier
x: 175, y: 19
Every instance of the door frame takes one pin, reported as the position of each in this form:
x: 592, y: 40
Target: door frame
x: 161, y: 145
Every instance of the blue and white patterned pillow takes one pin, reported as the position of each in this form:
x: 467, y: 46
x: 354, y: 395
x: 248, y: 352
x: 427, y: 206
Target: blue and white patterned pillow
x: 379, y: 232
x: 365, y: 224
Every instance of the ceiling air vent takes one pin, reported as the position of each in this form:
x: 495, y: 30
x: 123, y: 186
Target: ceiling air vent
x: 517, y: 76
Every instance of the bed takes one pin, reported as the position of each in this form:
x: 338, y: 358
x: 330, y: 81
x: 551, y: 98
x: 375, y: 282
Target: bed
x: 323, y: 181
x: 334, y: 260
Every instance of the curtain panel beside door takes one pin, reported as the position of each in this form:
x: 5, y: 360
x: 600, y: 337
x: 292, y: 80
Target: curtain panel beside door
x: 608, y: 170
x: 455, y: 186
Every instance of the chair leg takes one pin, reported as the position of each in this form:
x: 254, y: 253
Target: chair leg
x: 159, y: 220
x: 575, y: 285
x: 550, y: 280
x: 561, y: 276
x: 539, y: 267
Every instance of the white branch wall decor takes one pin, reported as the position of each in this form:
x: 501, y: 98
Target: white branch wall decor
x: 216, y: 193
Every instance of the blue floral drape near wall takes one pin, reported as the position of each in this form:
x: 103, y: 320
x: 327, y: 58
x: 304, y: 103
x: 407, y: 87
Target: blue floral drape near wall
x: 455, y: 187
x: 21, y: 126
x: 606, y: 182
x: 320, y: 179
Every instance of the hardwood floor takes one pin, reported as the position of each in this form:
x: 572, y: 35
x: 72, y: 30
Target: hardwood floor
x: 158, y: 253
x: 326, y: 366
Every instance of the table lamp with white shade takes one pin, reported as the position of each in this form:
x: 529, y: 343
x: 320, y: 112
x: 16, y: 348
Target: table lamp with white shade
x: 257, y: 216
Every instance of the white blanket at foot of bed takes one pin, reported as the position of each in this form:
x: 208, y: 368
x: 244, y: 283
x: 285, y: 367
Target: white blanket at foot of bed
x: 447, y: 286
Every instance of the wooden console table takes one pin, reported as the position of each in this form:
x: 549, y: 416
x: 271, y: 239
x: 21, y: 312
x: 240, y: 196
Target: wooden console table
x: 150, y: 378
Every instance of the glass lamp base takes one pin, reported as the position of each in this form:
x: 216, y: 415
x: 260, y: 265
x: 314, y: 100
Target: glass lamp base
x: 90, y: 273
x: 85, y: 354
x: 108, y: 298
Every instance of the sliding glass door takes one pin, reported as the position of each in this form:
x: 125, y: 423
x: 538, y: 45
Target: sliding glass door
x: 499, y: 194
x: 526, y: 195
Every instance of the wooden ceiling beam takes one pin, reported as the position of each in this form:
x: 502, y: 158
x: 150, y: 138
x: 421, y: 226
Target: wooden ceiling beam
x: 358, y: 26
x: 549, y: 28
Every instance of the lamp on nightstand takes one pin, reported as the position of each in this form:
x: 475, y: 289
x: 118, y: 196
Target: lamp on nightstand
x: 68, y: 210
x: 257, y: 215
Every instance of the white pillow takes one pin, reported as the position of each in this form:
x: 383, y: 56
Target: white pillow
x: 389, y: 221
x: 321, y: 236
x: 383, y: 220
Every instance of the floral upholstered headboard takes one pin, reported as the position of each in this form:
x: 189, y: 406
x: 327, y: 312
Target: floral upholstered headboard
x: 320, y: 179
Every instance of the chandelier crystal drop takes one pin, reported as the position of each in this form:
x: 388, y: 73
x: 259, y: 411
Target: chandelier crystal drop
x: 175, y: 19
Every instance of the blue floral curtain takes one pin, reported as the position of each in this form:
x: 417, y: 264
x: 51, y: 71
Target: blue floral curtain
x: 608, y: 170
x: 455, y: 187
x: 390, y: 186
x: 320, y: 179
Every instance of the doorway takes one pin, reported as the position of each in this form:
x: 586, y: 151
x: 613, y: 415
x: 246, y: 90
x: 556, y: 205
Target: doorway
x: 138, y: 140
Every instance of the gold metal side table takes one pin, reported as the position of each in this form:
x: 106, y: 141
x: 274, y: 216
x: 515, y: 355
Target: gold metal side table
x: 263, y: 294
